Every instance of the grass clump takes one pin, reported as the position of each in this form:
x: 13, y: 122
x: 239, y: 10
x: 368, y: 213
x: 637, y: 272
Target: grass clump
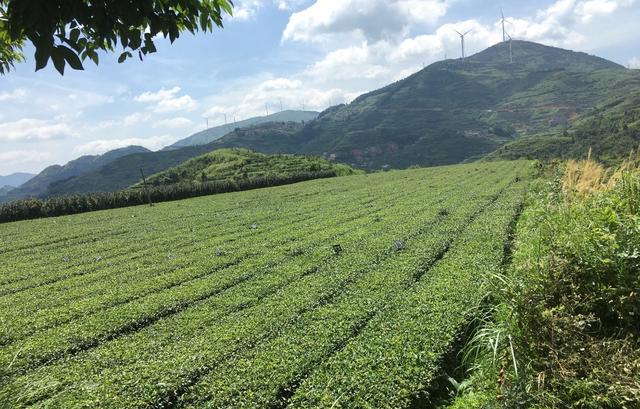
x: 564, y: 332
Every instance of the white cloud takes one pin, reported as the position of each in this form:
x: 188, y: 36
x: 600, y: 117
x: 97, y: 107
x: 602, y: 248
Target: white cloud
x: 24, y: 156
x: 167, y: 100
x: 126, y: 121
x: 248, y: 97
x: 175, y: 123
x: 103, y: 145
x: 634, y: 63
x: 183, y: 103
x: 594, y: 8
x: 30, y: 129
x: 157, y: 96
x: 244, y: 10
x: 16, y: 94
x: 372, y: 20
x: 288, y: 4
x: 134, y: 118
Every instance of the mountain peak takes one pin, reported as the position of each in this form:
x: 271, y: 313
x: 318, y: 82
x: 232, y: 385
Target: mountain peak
x: 539, y: 57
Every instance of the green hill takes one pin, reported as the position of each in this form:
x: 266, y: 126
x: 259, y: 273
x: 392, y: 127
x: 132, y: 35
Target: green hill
x: 238, y: 163
x: 212, y: 134
x: 125, y: 171
x: 454, y: 111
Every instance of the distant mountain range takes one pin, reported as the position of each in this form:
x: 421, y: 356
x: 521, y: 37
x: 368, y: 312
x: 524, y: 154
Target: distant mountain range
x: 44, y: 183
x: 15, y: 179
x: 548, y: 103
x: 212, y: 134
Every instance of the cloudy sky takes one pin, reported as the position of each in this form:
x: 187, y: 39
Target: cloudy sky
x: 301, y: 52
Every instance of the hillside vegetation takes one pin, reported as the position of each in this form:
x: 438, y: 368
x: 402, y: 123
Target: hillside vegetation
x: 454, y: 111
x: 266, y: 298
x: 237, y: 164
x: 611, y: 131
x: 125, y: 171
x: 565, y: 331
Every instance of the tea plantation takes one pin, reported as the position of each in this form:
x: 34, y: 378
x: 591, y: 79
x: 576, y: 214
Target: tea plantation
x: 343, y: 292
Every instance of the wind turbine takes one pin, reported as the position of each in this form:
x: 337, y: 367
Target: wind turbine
x: 462, y: 40
x: 510, y: 49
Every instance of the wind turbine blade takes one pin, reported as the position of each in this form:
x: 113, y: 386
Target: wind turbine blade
x: 459, y: 33
x: 502, y: 13
x: 467, y: 32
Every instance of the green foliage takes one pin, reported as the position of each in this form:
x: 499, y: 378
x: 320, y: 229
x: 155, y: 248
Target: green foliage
x: 240, y: 300
x: 611, y: 131
x: 10, y: 50
x: 570, y: 304
x: 69, y: 31
x: 588, y: 292
x: 26, y: 209
x: 241, y: 164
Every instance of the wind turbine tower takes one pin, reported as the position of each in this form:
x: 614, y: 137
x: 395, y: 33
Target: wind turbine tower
x: 510, y: 49
x: 462, y: 40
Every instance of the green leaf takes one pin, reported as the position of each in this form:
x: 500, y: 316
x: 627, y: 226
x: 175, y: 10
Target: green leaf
x: 58, y: 60
x: 71, y: 57
x: 94, y: 57
x: 42, y: 58
x: 44, y: 48
x: 123, y: 57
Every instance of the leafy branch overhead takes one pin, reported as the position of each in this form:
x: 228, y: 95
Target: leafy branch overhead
x: 67, y: 32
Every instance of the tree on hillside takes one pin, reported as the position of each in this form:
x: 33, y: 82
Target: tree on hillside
x: 67, y: 32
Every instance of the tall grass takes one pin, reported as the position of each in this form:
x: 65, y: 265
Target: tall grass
x: 585, y: 177
x: 565, y: 328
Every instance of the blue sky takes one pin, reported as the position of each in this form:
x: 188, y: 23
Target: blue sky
x: 301, y: 52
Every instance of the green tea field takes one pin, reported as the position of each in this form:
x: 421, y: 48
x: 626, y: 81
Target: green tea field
x: 343, y: 292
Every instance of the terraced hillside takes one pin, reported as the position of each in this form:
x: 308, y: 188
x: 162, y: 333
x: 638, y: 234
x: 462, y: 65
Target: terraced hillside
x: 341, y: 292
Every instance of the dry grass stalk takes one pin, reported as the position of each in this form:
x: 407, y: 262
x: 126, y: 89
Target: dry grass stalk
x: 585, y: 177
